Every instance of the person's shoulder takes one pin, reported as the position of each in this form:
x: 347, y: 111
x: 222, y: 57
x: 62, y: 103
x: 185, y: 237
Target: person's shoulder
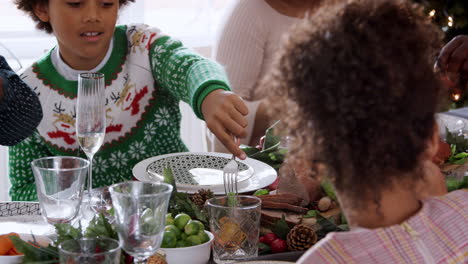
x: 320, y: 252
x: 137, y: 27
x: 137, y: 34
x: 456, y: 200
x: 251, y: 8
x: 450, y: 208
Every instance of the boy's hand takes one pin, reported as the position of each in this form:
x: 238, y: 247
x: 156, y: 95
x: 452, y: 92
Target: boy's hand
x: 453, y: 57
x: 224, y: 113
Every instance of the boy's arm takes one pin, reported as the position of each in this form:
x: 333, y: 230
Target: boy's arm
x: 203, y: 84
x: 186, y: 75
x: 23, y: 186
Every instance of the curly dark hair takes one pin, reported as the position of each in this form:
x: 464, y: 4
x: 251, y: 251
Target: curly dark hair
x: 358, y: 85
x: 28, y: 7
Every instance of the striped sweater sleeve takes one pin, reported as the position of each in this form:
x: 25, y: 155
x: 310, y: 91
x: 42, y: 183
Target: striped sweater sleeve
x: 186, y: 75
x: 20, y: 109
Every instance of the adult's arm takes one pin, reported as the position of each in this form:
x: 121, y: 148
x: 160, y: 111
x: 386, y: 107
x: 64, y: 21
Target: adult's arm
x: 453, y: 57
x: 20, y: 109
x: 240, y: 46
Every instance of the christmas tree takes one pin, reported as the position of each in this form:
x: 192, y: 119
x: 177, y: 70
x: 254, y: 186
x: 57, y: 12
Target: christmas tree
x: 450, y: 15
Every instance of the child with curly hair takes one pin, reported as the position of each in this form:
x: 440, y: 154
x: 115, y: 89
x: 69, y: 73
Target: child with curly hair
x: 361, y: 95
x: 146, y: 73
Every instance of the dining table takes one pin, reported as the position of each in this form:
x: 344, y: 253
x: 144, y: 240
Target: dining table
x: 25, y: 218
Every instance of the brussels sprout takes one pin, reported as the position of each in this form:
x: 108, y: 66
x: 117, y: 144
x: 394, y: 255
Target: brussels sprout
x: 181, y: 244
x: 169, y: 239
x: 192, y: 227
x: 200, y: 225
x: 203, y: 236
x: 174, y: 229
x: 169, y: 219
x: 181, y: 220
x: 193, y: 240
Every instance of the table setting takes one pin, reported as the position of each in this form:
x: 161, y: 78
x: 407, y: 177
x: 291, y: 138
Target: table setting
x: 189, y: 207
x: 219, y: 198
x: 61, y: 183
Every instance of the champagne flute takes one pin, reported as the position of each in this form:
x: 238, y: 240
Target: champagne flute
x: 91, y: 117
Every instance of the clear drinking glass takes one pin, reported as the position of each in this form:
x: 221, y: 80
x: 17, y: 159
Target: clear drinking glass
x: 140, y: 212
x: 91, y: 117
x: 90, y: 251
x: 59, y: 185
x: 235, y: 228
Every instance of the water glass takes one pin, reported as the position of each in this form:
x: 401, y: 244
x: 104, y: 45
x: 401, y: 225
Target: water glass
x: 140, y: 214
x: 59, y: 185
x: 90, y: 251
x: 235, y: 228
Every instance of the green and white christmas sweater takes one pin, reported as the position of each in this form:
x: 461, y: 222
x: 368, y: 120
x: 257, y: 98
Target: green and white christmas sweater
x: 146, y: 76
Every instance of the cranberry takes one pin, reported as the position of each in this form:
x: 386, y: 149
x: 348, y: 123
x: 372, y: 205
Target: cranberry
x: 278, y: 246
x: 268, y: 238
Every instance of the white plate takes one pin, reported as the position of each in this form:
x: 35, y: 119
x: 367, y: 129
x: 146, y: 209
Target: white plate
x: 23, y: 217
x: 19, y: 208
x: 196, y: 170
x: 263, y: 175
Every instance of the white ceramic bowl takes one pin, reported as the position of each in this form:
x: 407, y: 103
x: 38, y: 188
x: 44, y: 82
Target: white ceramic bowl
x: 199, y: 254
x: 42, y: 240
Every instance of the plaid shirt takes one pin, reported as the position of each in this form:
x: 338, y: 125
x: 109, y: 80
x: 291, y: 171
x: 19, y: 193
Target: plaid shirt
x: 436, y: 234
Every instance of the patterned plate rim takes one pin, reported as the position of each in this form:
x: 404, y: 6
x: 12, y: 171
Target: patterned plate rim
x: 18, y: 208
x: 159, y: 177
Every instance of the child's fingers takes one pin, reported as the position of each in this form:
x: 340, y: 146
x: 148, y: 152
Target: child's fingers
x: 228, y: 141
x: 240, y: 105
x: 238, y: 118
x: 234, y: 128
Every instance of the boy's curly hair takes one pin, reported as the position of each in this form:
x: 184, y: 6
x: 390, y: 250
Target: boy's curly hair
x: 354, y: 86
x: 28, y: 7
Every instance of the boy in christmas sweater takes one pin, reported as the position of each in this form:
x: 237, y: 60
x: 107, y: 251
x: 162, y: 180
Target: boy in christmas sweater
x: 146, y: 75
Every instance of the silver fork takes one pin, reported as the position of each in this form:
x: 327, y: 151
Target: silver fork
x: 230, y: 173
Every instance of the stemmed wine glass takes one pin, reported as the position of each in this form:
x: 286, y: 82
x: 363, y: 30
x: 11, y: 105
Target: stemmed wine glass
x: 91, y: 117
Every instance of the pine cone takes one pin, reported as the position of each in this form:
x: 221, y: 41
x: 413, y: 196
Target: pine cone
x: 199, y: 198
x: 158, y: 258
x: 206, y: 194
x: 301, y: 237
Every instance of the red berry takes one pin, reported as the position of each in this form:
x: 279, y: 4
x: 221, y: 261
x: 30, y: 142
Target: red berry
x: 262, y: 240
x: 268, y: 238
x: 274, y: 185
x: 278, y: 246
